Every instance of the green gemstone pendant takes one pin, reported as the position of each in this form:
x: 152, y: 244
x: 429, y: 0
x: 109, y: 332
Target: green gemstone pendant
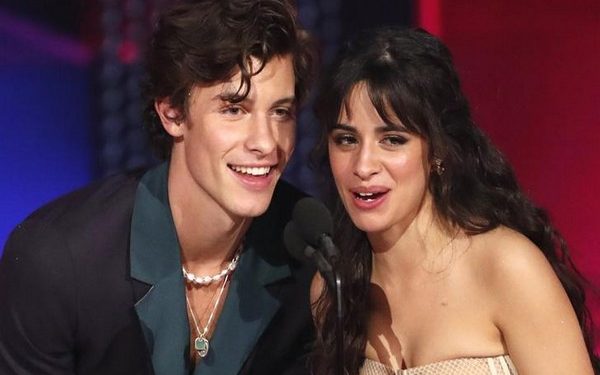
x: 201, y: 346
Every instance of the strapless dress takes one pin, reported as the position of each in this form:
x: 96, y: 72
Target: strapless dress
x: 500, y: 365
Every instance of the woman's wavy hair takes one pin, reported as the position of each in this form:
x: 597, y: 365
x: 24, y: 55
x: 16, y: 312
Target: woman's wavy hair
x: 209, y: 41
x: 409, y: 75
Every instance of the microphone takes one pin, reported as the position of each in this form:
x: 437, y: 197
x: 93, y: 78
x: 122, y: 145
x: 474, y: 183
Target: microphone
x: 309, y: 235
x: 303, y: 252
x: 315, y: 226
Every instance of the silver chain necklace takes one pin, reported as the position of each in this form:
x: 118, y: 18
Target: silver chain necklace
x: 201, y: 344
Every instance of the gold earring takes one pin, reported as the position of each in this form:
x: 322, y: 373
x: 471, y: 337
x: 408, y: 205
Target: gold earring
x: 438, y: 167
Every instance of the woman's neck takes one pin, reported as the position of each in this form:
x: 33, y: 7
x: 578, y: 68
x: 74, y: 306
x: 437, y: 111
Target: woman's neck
x: 425, y: 243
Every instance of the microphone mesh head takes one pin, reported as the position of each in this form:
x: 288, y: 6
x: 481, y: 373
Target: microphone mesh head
x: 312, y: 219
x: 293, y: 242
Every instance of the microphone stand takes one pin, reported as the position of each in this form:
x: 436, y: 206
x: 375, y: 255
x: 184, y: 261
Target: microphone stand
x: 332, y: 253
x: 339, y: 322
x: 334, y: 280
x: 327, y: 267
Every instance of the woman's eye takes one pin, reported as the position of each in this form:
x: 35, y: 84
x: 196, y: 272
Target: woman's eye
x: 394, y: 140
x: 344, y: 139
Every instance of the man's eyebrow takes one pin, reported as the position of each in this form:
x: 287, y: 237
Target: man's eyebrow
x: 228, y: 96
x: 287, y: 100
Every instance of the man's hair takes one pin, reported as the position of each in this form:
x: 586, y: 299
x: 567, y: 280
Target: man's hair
x: 209, y: 41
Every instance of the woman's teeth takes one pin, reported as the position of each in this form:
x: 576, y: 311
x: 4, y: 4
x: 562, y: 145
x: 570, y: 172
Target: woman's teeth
x: 367, y: 196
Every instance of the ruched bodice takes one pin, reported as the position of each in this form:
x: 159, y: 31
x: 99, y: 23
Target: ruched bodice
x: 501, y: 365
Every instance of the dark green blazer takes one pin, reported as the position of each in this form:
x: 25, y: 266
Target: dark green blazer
x: 92, y: 284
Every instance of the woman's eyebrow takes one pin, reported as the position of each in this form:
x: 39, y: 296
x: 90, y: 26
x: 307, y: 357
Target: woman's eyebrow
x: 391, y: 127
x: 345, y: 127
x: 379, y: 129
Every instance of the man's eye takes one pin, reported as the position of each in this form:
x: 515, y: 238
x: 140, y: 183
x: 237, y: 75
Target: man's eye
x: 283, y: 112
x: 232, y: 110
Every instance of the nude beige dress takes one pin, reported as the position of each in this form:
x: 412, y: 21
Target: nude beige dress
x: 501, y: 365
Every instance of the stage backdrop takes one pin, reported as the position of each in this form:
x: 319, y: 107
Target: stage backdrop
x: 531, y: 70
x: 45, y: 141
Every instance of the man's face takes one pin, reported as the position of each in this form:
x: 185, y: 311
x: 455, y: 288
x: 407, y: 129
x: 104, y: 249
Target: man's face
x: 229, y: 156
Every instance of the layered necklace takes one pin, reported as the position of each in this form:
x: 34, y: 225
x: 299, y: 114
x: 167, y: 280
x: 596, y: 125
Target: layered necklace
x: 201, y: 343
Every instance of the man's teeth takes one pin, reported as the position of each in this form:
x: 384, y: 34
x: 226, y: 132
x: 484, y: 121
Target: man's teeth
x: 254, y: 171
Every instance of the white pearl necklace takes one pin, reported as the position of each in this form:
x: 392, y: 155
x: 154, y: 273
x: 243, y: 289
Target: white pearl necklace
x: 206, y: 280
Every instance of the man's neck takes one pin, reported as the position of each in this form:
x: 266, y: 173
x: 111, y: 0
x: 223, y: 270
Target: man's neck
x: 208, y: 235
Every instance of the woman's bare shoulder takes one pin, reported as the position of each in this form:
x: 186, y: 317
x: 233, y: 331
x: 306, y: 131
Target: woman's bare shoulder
x: 517, y: 273
x: 529, y: 304
x: 504, y: 254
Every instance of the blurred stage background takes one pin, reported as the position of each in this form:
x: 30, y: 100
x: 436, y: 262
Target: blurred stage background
x: 70, y: 106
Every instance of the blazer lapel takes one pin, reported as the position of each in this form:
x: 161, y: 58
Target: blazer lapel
x: 251, y: 303
x: 155, y: 261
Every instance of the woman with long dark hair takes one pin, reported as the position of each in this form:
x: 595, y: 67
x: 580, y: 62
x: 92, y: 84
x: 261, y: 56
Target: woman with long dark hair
x: 449, y: 268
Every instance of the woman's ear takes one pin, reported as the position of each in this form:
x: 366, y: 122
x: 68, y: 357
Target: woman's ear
x: 169, y: 116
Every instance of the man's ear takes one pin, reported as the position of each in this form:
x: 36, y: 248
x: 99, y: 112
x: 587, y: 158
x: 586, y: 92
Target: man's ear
x: 169, y: 116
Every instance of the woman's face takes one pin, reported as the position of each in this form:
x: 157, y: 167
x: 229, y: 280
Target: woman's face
x: 381, y: 170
